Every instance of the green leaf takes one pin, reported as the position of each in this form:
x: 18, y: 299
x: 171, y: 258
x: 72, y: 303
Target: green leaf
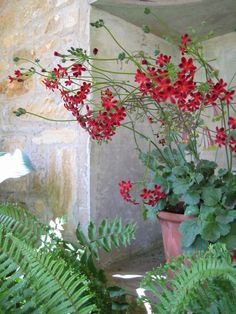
x: 116, y: 291
x: 80, y: 236
x: 233, y: 134
x: 229, y: 200
x: 189, y: 230
x: 226, y: 217
x: 206, y: 167
x: 222, y: 172
x: 180, y: 171
x: 116, y: 306
x: 146, y: 29
x: 180, y: 186
x: 199, y: 178
x: 191, y: 210
x: 92, y: 231
x: 230, y: 241
x: 156, y: 52
x: 147, y: 11
x: 173, y: 199
x: 211, y: 196
x: 191, y: 197
x: 121, y: 56
x: 198, y: 245
x: 212, y: 231
x: 103, y: 227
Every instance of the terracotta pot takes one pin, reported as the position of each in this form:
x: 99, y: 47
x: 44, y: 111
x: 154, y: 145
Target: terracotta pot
x: 171, y: 236
x: 170, y: 232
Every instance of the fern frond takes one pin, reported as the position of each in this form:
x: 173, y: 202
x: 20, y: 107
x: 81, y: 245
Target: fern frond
x: 207, y: 282
x: 52, y: 287
x: 108, y: 234
x: 21, y: 223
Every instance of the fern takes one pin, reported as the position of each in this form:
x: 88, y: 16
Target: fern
x: 108, y: 234
x: 207, y: 285
x: 37, y: 277
x: 22, y: 223
x: 52, y: 288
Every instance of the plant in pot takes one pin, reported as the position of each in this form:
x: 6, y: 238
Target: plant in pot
x: 186, y: 106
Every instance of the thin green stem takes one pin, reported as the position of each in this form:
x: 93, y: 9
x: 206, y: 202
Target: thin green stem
x: 48, y: 119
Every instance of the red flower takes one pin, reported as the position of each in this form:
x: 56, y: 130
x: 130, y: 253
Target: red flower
x: 185, y: 39
x: 11, y: 79
x: 232, y: 122
x: 77, y: 69
x: 228, y: 97
x: 163, y: 60
x: 150, y: 120
x: 187, y: 66
x: 141, y: 77
x: 125, y: 188
x: 221, y: 136
x: 51, y: 84
x: 18, y: 73
x: 95, y: 51
x: 60, y: 71
x: 108, y: 102
x: 146, y: 193
x: 152, y: 197
x: 68, y: 82
x: 57, y: 54
x: 232, y: 144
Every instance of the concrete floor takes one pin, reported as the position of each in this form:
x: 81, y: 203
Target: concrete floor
x: 129, y: 272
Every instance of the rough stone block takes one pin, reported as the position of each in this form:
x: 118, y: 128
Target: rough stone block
x: 60, y: 136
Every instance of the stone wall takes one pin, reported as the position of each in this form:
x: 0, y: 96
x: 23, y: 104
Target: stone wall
x: 59, y: 151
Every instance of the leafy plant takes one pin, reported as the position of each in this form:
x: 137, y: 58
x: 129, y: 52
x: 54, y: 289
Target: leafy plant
x: 202, y: 284
x: 41, y: 273
x: 207, y: 194
x: 184, y: 102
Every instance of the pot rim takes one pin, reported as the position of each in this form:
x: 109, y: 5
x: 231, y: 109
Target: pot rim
x: 169, y: 216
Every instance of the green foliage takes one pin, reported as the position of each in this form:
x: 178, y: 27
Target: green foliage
x: 98, y: 24
x: 33, y: 279
x: 146, y: 29
x: 40, y: 273
x: 108, y: 234
x: 203, y: 284
x: 207, y: 195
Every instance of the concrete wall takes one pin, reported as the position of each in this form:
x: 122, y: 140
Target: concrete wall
x: 59, y: 151
x: 222, y: 50
x: 118, y: 160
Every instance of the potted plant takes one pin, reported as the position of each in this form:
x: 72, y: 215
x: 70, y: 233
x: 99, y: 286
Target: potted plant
x: 187, y: 106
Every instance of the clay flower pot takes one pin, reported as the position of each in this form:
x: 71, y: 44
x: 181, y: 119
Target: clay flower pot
x: 171, y: 236
x: 170, y: 223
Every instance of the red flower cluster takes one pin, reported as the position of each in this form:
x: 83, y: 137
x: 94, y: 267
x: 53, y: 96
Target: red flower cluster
x: 223, y: 139
x: 181, y: 90
x: 152, y: 197
x: 102, y: 125
x: 218, y: 92
x: 232, y: 122
x: 232, y: 144
x: 125, y: 188
x: 99, y: 124
x: 221, y: 136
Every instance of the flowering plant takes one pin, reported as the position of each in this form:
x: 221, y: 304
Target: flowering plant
x: 187, y: 106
